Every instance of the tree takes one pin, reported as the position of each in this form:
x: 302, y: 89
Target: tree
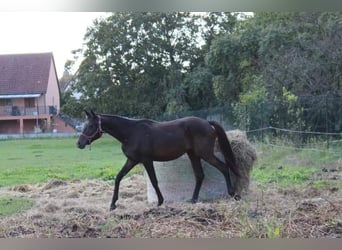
x: 301, y: 51
x: 225, y: 59
x: 146, y: 64
x: 135, y: 61
x: 199, y: 88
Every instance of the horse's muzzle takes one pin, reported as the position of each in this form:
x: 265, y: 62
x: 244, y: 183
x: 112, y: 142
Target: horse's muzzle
x: 80, y: 145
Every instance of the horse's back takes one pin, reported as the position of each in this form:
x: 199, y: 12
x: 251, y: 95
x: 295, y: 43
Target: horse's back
x: 198, y: 126
x: 178, y: 128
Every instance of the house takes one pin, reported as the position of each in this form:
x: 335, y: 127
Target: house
x: 29, y: 94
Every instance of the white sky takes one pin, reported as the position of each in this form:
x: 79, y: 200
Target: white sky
x: 36, y: 32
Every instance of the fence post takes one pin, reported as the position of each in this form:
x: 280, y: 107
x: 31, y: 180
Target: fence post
x: 262, y: 121
x: 246, y: 117
x: 326, y: 120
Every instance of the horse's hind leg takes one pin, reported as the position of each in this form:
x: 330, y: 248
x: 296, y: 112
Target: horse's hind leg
x: 125, y: 169
x: 198, y: 171
x: 153, y: 178
x: 217, y: 163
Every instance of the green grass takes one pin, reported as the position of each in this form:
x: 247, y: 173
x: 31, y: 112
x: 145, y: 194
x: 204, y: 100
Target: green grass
x: 26, y: 161
x: 12, y: 205
x: 291, y: 167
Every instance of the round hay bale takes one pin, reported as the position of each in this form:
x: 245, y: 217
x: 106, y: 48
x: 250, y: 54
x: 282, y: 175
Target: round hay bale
x: 245, y: 156
x: 176, y: 179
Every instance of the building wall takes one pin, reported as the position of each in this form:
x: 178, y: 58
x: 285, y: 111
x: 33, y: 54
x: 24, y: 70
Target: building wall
x: 29, y: 126
x: 52, y: 97
x: 18, y: 102
x: 57, y: 125
x: 13, y: 126
x: 9, y: 127
x: 61, y: 126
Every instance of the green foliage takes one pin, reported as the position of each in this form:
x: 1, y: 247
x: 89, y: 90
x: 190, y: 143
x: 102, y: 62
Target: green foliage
x: 151, y: 64
x: 199, y: 88
x: 250, y: 102
x: 299, y: 51
x: 254, y: 95
x: 146, y: 64
x: 273, y: 231
x: 132, y: 56
x: 223, y: 60
x: 293, y: 112
x: 70, y: 105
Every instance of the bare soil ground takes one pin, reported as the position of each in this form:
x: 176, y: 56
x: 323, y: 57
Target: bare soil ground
x: 81, y: 209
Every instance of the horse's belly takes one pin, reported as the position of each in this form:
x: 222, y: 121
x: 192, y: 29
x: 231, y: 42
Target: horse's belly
x: 168, y: 153
x: 168, y: 146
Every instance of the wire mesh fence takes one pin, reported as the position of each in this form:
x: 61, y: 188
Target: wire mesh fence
x: 314, y: 122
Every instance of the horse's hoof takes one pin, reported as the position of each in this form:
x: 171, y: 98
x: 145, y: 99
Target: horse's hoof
x: 160, y: 202
x: 237, y: 197
x: 112, y: 207
x: 232, y: 194
x: 193, y: 201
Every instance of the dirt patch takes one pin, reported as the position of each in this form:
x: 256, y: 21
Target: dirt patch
x: 80, y: 208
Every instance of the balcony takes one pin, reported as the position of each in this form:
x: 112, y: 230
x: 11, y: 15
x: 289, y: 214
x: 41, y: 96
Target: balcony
x: 12, y: 111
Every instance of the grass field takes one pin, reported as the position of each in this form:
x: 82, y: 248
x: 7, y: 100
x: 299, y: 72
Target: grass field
x: 285, y: 166
x: 26, y: 161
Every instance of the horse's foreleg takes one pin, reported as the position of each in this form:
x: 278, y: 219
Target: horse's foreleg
x: 198, y: 171
x: 153, y: 178
x: 125, y: 169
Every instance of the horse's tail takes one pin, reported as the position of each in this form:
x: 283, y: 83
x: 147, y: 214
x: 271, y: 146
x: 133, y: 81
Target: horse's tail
x: 225, y: 147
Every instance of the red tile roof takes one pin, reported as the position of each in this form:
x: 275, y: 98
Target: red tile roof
x: 24, y: 73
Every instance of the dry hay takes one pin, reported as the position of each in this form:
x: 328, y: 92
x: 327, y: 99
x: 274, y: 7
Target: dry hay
x: 70, y: 209
x: 245, y: 156
x: 81, y: 209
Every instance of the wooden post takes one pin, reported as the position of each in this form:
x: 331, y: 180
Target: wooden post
x: 21, y: 125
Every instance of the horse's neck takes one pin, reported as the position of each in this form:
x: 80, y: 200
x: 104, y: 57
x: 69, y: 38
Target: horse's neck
x: 117, y: 126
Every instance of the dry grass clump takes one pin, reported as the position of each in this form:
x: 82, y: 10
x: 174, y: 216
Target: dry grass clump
x: 70, y: 208
x: 314, y: 218
x: 263, y: 213
x: 245, y: 156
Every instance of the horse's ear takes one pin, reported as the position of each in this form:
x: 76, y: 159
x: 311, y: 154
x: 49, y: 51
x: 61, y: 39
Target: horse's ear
x: 87, y: 113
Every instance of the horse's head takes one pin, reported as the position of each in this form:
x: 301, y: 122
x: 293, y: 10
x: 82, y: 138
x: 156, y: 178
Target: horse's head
x: 92, y: 130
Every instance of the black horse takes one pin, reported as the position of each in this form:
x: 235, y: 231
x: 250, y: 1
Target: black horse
x: 144, y: 141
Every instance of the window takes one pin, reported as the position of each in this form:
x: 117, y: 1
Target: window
x: 29, y: 103
x: 5, y: 102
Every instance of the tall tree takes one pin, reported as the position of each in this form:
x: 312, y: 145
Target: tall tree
x: 302, y: 52
x: 134, y: 62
